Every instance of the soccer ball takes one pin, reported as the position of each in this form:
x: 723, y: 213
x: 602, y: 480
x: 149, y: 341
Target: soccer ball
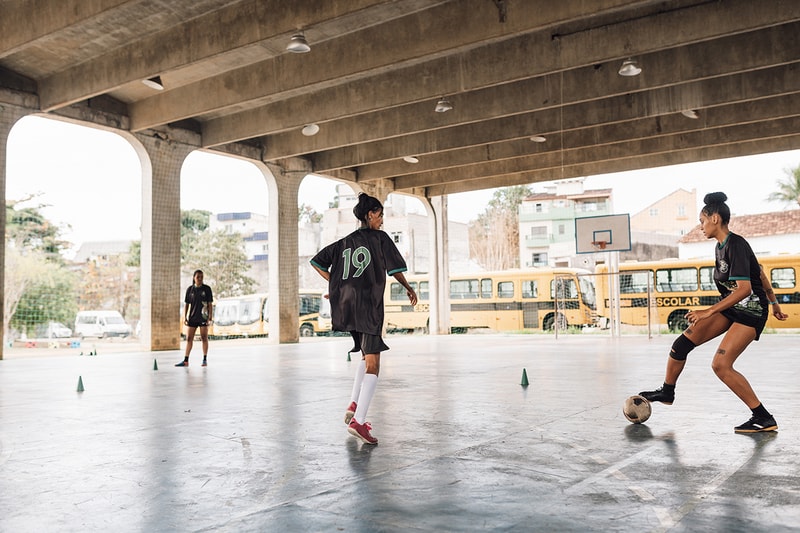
x: 636, y: 409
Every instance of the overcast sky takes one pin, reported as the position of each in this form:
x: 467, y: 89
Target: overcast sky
x: 92, y: 181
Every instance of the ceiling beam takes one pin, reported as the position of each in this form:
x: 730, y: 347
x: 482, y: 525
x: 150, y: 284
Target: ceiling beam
x: 263, y: 25
x: 721, y: 116
x: 702, y: 94
x: 755, y: 147
x: 479, y: 68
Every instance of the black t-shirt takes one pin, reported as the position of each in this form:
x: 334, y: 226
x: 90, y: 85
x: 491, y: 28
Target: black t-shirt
x: 358, y: 266
x: 735, y: 260
x: 198, y: 299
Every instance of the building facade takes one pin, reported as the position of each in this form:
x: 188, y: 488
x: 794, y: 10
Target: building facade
x: 547, y: 223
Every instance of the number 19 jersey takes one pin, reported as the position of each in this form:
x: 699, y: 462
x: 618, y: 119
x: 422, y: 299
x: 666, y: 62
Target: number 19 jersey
x: 358, y: 265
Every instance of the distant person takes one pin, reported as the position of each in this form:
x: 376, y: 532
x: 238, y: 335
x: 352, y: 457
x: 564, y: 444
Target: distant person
x: 356, y: 268
x: 197, y: 313
x: 740, y: 313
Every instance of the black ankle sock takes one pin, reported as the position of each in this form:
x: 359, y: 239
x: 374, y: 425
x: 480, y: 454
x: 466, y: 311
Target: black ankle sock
x: 668, y: 388
x: 761, y: 411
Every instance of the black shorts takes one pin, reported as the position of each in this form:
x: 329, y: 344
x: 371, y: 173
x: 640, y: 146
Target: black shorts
x: 754, y: 321
x: 366, y: 343
x: 197, y: 324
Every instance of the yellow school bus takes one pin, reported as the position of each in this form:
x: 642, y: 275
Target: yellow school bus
x: 248, y: 315
x: 500, y: 301
x: 679, y: 286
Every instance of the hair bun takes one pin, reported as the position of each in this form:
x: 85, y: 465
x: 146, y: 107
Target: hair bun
x: 715, y: 198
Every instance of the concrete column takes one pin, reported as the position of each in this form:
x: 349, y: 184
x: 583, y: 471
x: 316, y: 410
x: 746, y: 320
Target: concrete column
x: 284, y: 302
x: 9, y: 115
x: 440, y: 269
x: 161, y: 240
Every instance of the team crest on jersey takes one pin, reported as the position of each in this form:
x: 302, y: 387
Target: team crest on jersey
x: 723, y: 266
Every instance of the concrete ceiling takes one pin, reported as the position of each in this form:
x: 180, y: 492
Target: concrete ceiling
x: 512, y: 69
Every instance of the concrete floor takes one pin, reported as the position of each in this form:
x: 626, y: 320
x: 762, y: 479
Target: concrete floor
x: 256, y: 441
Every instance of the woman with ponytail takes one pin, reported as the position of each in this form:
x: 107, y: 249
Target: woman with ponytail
x: 356, y: 268
x: 741, y: 313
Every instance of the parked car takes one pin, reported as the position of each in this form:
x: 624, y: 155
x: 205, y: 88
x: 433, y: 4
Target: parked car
x: 53, y: 330
x: 101, y: 324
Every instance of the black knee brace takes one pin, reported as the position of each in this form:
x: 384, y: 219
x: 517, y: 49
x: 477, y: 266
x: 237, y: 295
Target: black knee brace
x: 681, y: 348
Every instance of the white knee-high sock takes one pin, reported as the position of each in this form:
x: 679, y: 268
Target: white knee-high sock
x: 367, y: 391
x: 361, y: 369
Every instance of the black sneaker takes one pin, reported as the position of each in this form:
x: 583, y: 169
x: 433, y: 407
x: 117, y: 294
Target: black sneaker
x: 183, y: 363
x: 659, y: 395
x: 205, y: 363
x: 757, y: 425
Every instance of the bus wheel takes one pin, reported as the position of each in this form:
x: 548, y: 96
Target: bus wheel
x: 677, y: 320
x: 306, y: 330
x: 549, y: 322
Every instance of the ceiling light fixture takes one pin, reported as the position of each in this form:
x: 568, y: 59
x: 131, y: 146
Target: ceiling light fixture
x: 539, y: 138
x: 309, y: 130
x: 629, y: 68
x: 411, y: 159
x: 443, y: 105
x: 298, y: 44
x: 690, y: 113
x: 154, y: 83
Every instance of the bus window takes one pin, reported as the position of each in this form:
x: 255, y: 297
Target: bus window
x: 486, y: 288
x: 707, y: 279
x: 676, y: 280
x: 463, y: 289
x: 309, y: 303
x: 424, y: 292
x: 249, y: 311
x: 530, y: 288
x: 634, y: 282
x: 398, y: 292
x: 782, y: 278
x: 505, y: 289
x: 567, y: 289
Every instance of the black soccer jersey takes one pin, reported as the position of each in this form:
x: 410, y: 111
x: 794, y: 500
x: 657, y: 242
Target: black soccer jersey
x: 358, y: 265
x: 735, y: 260
x: 198, y: 298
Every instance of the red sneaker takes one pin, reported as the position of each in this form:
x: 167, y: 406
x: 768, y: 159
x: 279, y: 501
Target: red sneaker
x: 351, y: 410
x: 362, y: 431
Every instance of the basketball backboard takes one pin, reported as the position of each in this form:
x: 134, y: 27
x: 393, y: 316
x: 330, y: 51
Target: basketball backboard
x: 607, y: 233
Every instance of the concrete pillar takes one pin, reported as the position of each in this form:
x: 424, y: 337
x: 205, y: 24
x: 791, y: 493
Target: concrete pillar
x: 161, y: 292
x: 440, y: 269
x: 284, y: 302
x: 9, y: 115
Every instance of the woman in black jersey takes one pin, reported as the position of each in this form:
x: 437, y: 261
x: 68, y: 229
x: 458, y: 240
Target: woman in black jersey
x: 356, y: 268
x: 740, y: 313
x: 198, y: 312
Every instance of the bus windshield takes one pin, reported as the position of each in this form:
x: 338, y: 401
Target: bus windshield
x: 587, y: 291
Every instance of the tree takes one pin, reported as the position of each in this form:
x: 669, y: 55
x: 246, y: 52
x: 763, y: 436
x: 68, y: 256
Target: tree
x: 494, y: 235
x: 223, y: 259
x: 306, y: 213
x: 788, y: 188
x: 28, y: 228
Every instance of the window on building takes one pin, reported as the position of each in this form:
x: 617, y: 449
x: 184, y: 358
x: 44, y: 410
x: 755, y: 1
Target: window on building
x: 538, y: 207
x: 681, y: 210
x: 539, y: 259
x: 397, y: 236
x: 562, y: 229
x: 653, y: 211
x: 538, y: 231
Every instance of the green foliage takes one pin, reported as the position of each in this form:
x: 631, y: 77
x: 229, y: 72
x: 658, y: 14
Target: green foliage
x: 27, y: 228
x: 222, y: 258
x: 306, y: 213
x: 49, y: 295
x: 788, y: 188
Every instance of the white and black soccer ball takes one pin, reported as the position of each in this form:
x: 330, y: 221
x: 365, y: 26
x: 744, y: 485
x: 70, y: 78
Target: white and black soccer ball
x: 636, y: 409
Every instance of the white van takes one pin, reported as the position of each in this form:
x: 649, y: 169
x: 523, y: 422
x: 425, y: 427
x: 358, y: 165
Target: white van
x: 101, y: 324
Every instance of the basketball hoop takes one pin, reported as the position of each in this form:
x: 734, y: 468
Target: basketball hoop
x: 599, y: 245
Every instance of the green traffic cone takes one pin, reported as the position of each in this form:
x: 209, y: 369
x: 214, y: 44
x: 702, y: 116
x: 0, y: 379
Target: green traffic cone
x: 524, y: 378
x: 80, y: 384
x: 348, y: 356
x: 155, y: 364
